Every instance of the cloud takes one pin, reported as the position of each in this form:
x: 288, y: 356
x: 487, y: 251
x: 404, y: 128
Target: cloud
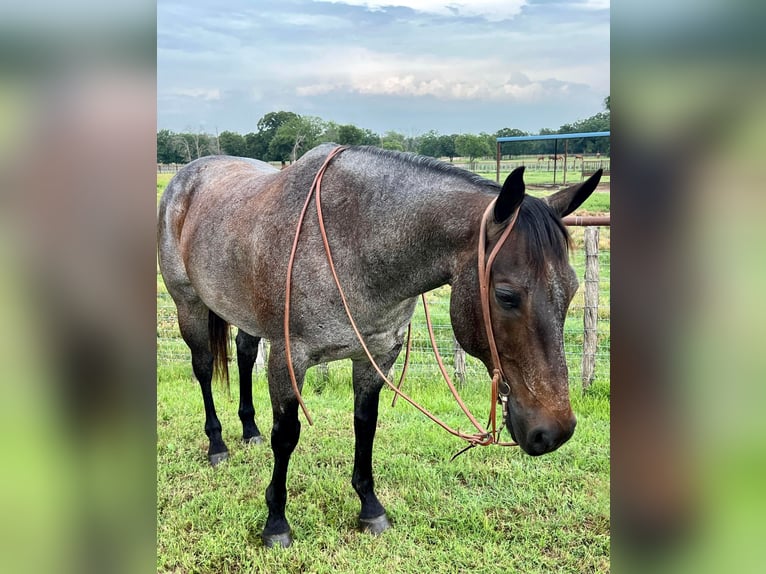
x: 492, y: 10
x: 196, y: 93
x: 373, y: 73
x: 593, y: 4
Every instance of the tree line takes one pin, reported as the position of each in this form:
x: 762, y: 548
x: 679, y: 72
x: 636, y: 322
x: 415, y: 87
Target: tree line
x: 285, y: 136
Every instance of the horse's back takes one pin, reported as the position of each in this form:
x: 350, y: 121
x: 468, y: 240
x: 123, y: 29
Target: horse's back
x: 209, y: 174
x: 202, y: 187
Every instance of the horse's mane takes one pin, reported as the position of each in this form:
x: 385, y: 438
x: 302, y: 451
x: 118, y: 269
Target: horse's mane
x: 547, y: 236
x: 432, y: 164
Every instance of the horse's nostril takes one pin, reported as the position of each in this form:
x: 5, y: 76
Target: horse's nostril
x: 541, y: 440
x: 544, y: 439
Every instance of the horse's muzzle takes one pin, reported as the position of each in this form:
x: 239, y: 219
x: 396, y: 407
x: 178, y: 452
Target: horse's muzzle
x: 543, y: 437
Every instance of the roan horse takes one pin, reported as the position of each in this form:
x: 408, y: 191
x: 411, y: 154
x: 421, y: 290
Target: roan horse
x: 399, y: 225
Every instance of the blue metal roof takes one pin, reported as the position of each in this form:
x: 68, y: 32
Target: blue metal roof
x: 554, y: 137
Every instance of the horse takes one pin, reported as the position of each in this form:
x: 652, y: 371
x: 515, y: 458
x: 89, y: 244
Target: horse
x: 399, y: 225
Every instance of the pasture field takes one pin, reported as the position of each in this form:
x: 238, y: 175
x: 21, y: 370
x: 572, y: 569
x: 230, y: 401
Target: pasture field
x: 490, y: 510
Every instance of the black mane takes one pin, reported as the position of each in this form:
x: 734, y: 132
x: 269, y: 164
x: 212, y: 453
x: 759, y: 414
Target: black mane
x: 433, y: 164
x: 547, y: 236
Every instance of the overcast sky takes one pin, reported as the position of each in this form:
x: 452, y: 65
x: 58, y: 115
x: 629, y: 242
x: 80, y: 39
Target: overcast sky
x: 410, y: 66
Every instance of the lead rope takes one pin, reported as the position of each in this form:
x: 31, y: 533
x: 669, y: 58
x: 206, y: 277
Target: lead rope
x: 482, y: 437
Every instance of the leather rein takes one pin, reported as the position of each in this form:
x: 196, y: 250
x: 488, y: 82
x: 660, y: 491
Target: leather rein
x: 500, y: 389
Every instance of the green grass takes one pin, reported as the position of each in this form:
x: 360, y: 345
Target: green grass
x: 491, y: 510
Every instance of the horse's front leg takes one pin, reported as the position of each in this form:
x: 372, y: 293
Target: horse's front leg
x: 284, y: 438
x: 367, y: 385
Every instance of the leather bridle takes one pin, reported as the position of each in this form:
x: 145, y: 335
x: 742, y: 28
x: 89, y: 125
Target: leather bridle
x: 500, y: 389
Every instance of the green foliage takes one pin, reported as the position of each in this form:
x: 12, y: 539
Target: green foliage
x: 269, y: 124
x: 294, y: 137
x: 472, y: 146
x: 519, y: 148
x: 256, y: 145
x: 394, y: 141
x: 232, y: 144
x: 350, y: 135
x: 447, y: 144
x: 430, y: 145
x: 283, y: 136
x: 167, y: 150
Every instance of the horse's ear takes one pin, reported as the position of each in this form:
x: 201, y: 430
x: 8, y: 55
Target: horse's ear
x: 567, y: 200
x: 510, y: 196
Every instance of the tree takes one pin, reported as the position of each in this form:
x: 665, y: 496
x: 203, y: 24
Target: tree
x: 491, y: 144
x: 447, y: 144
x: 267, y: 129
x: 393, y: 140
x: 430, y: 145
x: 514, y: 148
x: 330, y: 133
x: 295, y: 137
x: 182, y: 144
x: 232, y: 144
x: 167, y: 148
x: 270, y: 122
x: 471, y: 146
x: 370, y: 137
x: 194, y: 145
x: 350, y: 135
x: 256, y: 146
x: 596, y: 123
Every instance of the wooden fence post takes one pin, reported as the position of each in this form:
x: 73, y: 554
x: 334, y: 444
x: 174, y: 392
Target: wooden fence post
x: 459, y: 361
x: 262, y: 358
x: 590, y: 312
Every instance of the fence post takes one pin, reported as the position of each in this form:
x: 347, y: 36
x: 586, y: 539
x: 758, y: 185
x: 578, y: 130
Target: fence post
x: 590, y: 313
x: 263, y: 354
x: 459, y: 361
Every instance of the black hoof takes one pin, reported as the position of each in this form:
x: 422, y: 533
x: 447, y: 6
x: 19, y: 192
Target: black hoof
x: 217, y: 458
x: 375, y: 526
x: 253, y: 440
x: 282, y: 540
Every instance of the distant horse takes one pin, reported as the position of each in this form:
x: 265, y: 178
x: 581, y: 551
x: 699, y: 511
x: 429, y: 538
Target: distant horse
x: 574, y: 161
x: 556, y: 157
x: 399, y: 225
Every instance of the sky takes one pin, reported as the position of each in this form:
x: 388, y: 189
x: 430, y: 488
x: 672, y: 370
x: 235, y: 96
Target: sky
x: 404, y: 65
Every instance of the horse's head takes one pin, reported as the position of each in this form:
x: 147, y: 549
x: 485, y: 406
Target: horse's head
x: 530, y: 288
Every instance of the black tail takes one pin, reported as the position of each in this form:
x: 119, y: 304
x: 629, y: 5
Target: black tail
x: 218, y: 330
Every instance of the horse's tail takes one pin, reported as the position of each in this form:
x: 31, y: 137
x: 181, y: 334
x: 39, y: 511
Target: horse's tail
x: 218, y: 330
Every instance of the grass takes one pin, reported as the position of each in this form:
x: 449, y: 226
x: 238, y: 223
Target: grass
x: 491, y: 510
x: 492, y: 507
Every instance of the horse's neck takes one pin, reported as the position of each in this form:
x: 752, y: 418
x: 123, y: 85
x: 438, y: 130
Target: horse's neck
x: 439, y: 242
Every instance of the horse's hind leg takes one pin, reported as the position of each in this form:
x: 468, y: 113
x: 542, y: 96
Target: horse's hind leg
x: 193, y: 323
x: 367, y: 385
x: 247, y: 352
x: 284, y: 438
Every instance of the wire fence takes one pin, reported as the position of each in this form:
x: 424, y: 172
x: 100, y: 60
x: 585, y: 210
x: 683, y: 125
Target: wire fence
x: 171, y: 348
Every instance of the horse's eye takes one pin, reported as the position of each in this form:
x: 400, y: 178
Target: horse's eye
x: 507, y: 299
